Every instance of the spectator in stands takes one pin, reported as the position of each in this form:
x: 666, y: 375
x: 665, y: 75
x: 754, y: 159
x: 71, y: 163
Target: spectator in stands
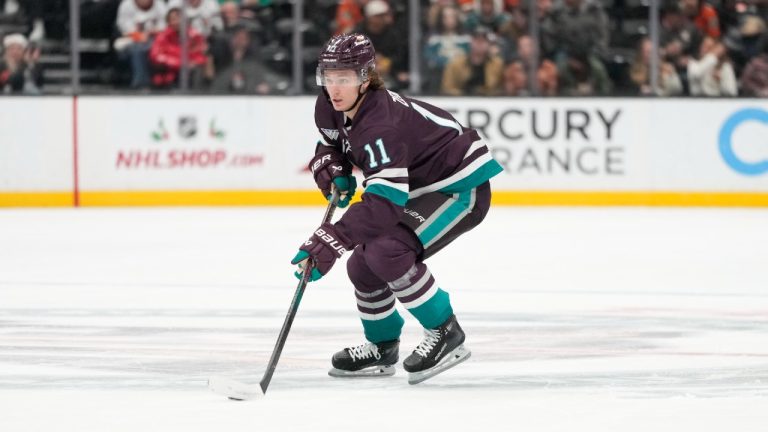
x: 476, y: 73
x: 203, y: 15
x: 546, y: 70
x: 679, y: 37
x: 518, y: 25
x: 138, y: 21
x: 448, y: 41
x: 679, y: 40
x: 243, y: 72
x: 745, y: 41
x: 391, y: 46
x: 703, y: 15
x: 754, y: 79
x: 515, y: 79
x: 525, y: 49
x: 586, y: 21
x: 640, y: 73
x: 19, y: 71
x: 349, y: 15
x: 547, y: 79
x: 434, y: 14
x: 488, y: 14
x: 711, y: 74
x: 583, y: 74
x: 221, y: 40
x: 165, y: 54
x: 548, y: 29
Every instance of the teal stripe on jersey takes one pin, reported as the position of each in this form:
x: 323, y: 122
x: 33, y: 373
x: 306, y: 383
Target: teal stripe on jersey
x: 434, y: 311
x: 396, y: 196
x: 383, y: 330
x: 447, y: 217
x: 478, y: 177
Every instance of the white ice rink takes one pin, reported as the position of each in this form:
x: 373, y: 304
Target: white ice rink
x: 594, y: 319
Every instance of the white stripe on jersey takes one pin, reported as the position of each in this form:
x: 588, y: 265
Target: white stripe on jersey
x: 402, y: 187
x: 390, y: 173
x: 437, y: 119
x: 474, y: 147
x: 464, y: 173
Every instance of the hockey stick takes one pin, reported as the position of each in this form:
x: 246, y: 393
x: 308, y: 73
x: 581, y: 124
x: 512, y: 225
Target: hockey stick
x: 237, y: 390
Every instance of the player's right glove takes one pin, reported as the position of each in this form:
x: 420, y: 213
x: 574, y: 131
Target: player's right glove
x: 333, y: 169
x: 324, y: 247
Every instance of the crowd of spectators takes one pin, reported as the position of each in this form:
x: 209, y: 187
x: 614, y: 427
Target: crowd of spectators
x: 469, y: 47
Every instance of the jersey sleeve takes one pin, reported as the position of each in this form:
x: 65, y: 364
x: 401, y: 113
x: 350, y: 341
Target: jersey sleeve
x: 384, y: 161
x: 326, y: 125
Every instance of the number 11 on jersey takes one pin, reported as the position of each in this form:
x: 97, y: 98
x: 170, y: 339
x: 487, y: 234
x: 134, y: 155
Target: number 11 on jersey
x: 372, y: 156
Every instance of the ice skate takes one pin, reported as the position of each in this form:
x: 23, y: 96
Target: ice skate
x: 441, y: 349
x: 366, y: 360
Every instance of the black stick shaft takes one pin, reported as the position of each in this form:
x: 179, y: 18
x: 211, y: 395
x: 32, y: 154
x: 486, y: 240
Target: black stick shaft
x: 294, y: 305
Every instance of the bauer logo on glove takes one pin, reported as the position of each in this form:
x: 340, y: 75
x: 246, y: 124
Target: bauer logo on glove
x: 324, y: 247
x: 332, y: 169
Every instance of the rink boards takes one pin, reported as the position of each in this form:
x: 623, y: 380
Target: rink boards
x: 123, y: 151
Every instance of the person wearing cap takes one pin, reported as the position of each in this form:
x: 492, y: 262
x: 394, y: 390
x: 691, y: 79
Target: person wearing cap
x: 391, y: 48
x: 19, y: 71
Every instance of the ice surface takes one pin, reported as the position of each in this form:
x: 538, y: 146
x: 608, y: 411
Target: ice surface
x: 578, y: 319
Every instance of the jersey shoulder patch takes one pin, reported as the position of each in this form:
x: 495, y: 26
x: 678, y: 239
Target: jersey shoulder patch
x: 332, y: 134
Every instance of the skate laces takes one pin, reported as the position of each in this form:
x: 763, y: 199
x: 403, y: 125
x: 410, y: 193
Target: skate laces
x: 431, y: 338
x: 364, y: 351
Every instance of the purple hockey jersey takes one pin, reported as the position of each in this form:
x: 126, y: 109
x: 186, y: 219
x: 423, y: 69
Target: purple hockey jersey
x: 405, y: 148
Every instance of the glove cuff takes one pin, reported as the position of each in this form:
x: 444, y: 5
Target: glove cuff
x: 334, y: 239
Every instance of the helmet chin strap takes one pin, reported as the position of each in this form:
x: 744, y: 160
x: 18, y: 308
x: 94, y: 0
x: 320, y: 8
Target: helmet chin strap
x: 358, y: 99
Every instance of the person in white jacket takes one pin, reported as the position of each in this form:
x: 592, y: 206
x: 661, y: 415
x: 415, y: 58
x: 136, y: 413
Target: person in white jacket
x: 203, y: 15
x: 138, y: 22
x: 712, y: 74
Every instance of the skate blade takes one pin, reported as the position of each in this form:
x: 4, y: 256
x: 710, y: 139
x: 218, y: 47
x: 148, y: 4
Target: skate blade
x: 234, y: 390
x: 458, y: 355
x: 370, y: 372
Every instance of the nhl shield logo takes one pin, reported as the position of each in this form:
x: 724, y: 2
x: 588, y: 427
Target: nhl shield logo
x: 187, y: 127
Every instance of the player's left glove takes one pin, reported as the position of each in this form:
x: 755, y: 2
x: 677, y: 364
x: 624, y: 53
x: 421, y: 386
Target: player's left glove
x: 333, y: 169
x: 324, y: 247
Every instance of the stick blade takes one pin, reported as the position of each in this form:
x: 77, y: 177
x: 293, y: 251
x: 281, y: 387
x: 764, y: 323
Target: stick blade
x: 235, y: 390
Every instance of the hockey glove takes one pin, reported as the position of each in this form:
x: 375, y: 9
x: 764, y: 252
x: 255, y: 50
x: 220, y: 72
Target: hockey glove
x: 324, y: 247
x: 333, y: 169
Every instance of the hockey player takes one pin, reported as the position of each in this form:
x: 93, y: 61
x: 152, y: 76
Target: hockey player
x: 425, y: 183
